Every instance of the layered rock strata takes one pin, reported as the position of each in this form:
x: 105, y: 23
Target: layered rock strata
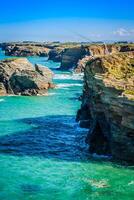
x: 108, y: 105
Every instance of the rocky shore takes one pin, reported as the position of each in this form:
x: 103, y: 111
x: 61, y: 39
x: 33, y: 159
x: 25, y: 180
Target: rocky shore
x: 19, y: 77
x: 108, y: 95
x: 70, y: 55
x: 26, y: 50
x: 75, y: 56
x: 108, y: 105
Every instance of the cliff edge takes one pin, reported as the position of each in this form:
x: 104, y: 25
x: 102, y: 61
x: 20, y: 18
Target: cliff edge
x: 108, y: 105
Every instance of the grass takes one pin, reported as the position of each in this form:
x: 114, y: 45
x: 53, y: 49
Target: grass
x: 11, y: 59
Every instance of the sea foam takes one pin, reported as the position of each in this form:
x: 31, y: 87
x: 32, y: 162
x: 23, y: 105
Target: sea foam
x: 66, y: 85
x: 1, y: 100
x: 68, y: 76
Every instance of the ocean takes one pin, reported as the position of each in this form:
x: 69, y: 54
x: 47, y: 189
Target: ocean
x: 43, y: 154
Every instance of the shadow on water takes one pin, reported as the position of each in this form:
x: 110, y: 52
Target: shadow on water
x: 50, y: 137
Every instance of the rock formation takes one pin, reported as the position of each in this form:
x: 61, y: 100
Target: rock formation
x: 20, y: 77
x: 125, y: 48
x: 108, y: 105
x: 80, y: 67
x: 25, y: 50
x: 96, y: 50
x: 71, y: 56
x: 56, y: 54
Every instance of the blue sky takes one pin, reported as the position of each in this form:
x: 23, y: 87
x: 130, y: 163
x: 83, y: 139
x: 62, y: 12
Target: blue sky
x: 70, y: 20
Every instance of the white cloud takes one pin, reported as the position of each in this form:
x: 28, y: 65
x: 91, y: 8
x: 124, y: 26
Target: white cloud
x: 124, y: 32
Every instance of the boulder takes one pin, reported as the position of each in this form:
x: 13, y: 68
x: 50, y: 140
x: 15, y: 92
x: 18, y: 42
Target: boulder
x: 20, y: 77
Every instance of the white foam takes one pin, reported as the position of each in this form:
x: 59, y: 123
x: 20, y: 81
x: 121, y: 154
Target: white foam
x: 131, y: 183
x: 66, y: 85
x: 51, y: 94
x: 68, y: 76
x: 1, y: 100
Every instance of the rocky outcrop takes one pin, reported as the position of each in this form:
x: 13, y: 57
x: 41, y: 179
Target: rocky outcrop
x: 25, y: 50
x: 20, y: 77
x: 71, y: 56
x: 95, y: 51
x: 103, y: 49
x: 80, y: 67
x: 108, y: 105
x: 125, y: 48
x: 55, y: 54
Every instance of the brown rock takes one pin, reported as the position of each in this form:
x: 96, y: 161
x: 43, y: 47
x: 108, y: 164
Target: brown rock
x: 108, y: 96
x: 20, y: 77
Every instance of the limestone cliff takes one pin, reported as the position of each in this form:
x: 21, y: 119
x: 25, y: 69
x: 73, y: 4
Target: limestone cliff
x: 108, y: 105
x: 20, y: 77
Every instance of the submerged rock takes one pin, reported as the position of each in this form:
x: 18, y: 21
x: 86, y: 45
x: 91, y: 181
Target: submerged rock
x: 31, y: 188
x: 98, y: 183
x: 108, y: 104
x: 20, y: 77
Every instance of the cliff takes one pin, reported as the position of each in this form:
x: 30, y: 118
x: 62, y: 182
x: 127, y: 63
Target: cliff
x: 97, y: 50
x: 71, y: 56
x: 20, y: 77
x: 75, y: 57
x: 108, y: 105
x: 25, y: 50
x: 55, y: 54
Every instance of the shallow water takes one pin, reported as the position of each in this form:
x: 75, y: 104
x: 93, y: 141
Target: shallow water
x: 43, y: 155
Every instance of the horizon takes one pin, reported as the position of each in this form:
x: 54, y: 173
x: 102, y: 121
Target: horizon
x: 67, y: 21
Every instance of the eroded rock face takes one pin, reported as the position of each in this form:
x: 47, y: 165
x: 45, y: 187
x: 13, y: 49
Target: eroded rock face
x: 71, y: 56
x: 100, y: 50
x: 95, y: 51
x: 108, y: 104
x: 55, y: 54
x: 20, y: 77
x: 80, y: 67
x: 26, y: 50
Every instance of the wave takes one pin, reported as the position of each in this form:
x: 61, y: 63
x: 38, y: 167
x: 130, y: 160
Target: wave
x: 66, y: 85
x: 47, y: 94
x: 51, y: 94
x: 1, y: 100
x: 68, y: 76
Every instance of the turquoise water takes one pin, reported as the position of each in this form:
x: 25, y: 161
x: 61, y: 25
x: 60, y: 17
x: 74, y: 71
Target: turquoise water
x: 43, y: 155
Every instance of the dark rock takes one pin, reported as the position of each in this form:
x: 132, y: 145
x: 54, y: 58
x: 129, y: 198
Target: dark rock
x: 71, y: 56
x: 126, y: 48
x: 85, y: 123
x: 55, y: 55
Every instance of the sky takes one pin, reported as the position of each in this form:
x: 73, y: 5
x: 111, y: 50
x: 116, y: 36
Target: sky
x: 66, y: 20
